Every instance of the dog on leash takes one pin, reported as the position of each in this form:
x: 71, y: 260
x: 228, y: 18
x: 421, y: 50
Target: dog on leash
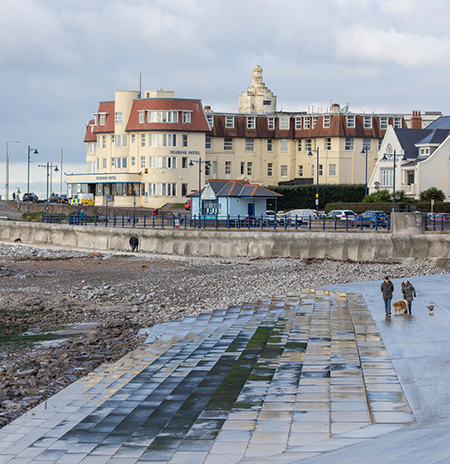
x: 430, y: 310
x: 400, y: 307
x: 15, y: 240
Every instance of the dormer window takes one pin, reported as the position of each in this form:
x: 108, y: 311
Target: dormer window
x: 351, y: 121
x: 229, y: 122
x: 103, y: 119
x: 384, y: 120
x: 298, y: 122
x: 306, y: 122
x: 271, y: 123
x: 251, y: 122
x: 284, y: 122
x: 398, y: 123
x: 326, y: 121
x: 210, y: 119
x: 141, y: 117
x: 186, y: 117
x: 367, y: 122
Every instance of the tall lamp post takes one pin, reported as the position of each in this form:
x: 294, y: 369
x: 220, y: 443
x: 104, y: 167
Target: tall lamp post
x: 49, y: 167
x: 62, y: 170
x: 365, y: 150
x: 393, y: 156
x: 35, y: 152
x: 316, y: 150
x: 207, y: 164
x: 7, y: 169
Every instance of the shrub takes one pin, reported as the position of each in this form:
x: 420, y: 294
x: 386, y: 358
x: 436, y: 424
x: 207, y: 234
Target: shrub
x: 382, y: 196
x: 303, y: 196
x: 433, y: 193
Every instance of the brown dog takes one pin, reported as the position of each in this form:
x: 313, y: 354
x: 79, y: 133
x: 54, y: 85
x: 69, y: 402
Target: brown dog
x: 430, y: 310
x: 400, y: 307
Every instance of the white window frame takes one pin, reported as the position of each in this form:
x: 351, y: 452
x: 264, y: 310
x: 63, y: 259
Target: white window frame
x: 320, y: 170
x: 306, y: 122
x: 104, y: 163
x: 141, y: 117
x: 187, y: 117
x: 367, y: 143
x: 249, y: 168
x: 271, y: 123
x: 184, y: 140
x: 351, y: 121
x: 386, y: 177
x: 133, y: 161
x: 328, y: 144
x: 133, y: 138
x: 269, y: 145
x: 300, y: 170
x: 103, y: 119
x: 332, y: 170
x: 250, y: 144
x: 119, y: 117
x: 284, y: 122
x: 397, y: 123
x: 210, y: 119
x: 170, y: 162
x: 143, y: 137
x: 142, y: 162
x: 228, y: 143
x: 326, y: 121
x: 298, y: 122
x: 162, y: 117
x: 384, y: 122
x: 313, y: 122
x: 229, y: 122
x: 308, y: 145
x: 299, y: 145
x: 251, y: 122
x: 269, y: 169
x: 284, y: 145
x: 103, y: 141
x: 367, y: 122
x: 208, y: 143
x: 121, y: 141
x: 349, y: 144
x: 284, y: 170
x: 227, y: 167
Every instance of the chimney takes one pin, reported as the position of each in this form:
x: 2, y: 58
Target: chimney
x: 416, y: 120
x: 335, y: 108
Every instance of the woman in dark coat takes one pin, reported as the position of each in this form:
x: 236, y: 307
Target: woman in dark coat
x: 387, y: 289
x: 409, y: 293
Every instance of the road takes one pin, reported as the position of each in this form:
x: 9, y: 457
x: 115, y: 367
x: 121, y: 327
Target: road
x: 4, y: 211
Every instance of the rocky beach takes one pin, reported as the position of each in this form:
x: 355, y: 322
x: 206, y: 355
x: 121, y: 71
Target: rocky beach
x: 64, y: 313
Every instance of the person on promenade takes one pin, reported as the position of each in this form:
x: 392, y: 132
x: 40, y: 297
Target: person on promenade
x: 387, y: 288
x: 134, y: 243
x: 409, y: 293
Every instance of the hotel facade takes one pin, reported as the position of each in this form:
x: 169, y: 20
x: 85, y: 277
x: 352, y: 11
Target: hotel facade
x: 140, y: 147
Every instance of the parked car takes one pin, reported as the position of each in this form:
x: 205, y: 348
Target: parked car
x: 30, y: 197
x: 82, y: 199
x: 372, y: 219
x: 63, y: 198
x: 269, y: 217
x: 187, y: 205
x: 299, y: 216
x: 342, y: 214
x: 54, y: 198
x: 438, y: 217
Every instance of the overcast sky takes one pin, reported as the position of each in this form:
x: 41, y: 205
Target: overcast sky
x: 59, y: 58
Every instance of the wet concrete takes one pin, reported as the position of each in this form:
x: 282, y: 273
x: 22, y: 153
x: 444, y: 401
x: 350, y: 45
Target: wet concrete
x: 419, y: 347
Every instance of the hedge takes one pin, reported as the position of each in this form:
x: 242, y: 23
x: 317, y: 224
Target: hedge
x: 303, y: 196
x: 358, y: 208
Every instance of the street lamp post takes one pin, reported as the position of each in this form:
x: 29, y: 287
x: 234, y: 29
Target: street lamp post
x: 134, y: 207
x: 28, y: 177
x: 386, y: 157
x: 365, y: 150
x: 316, y: 150
x: 207, y: 164
x: 49, y: 166
x: 7, y: 169
x: 62, y: 170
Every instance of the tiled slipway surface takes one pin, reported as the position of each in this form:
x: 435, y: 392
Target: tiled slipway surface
x: 275, y: 381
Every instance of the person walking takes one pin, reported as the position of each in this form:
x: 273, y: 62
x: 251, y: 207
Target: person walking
x: 387, y: 288
x: 134, y: 243
x: 409, y: 293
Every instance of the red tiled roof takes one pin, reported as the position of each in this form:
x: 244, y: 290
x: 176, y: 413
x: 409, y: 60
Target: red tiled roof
x: 338, y: 128
x: 105, y: 107
x: 89, y: 136
x: 198, y: 121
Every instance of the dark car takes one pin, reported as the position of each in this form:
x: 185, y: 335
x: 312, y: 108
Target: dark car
x: 32, y: 197
x: 372, y: 219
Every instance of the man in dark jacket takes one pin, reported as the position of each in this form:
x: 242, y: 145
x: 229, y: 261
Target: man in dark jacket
x: 387, y: 288
x: 134, y: 243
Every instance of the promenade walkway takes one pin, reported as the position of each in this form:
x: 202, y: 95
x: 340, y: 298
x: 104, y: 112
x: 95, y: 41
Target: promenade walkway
x: 274, y: 381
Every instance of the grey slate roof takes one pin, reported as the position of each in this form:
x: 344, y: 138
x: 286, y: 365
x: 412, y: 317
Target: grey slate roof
x: 408, y: 138
x: 436, y: 136
x: 238, y: 188
x: 441, y: 123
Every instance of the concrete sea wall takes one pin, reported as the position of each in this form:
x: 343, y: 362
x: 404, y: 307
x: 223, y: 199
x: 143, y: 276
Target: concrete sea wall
x: 356, y: 246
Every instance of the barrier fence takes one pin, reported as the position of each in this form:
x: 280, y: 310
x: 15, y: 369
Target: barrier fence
x: 170, y: 221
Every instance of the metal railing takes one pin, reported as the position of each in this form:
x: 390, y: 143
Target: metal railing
x: 171, y: 221
x: 437, y: 223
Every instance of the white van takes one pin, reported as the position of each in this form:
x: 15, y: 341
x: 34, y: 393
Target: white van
x: 82, y: 199
x: 302, y: 216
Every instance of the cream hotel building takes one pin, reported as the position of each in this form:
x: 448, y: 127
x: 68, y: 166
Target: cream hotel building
x: 140, y: 147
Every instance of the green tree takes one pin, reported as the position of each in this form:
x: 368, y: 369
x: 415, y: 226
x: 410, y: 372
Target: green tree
x: 433, y: 193
x: 382, y: 196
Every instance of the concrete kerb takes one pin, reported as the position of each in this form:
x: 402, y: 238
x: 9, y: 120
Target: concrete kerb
x: 355, y: 246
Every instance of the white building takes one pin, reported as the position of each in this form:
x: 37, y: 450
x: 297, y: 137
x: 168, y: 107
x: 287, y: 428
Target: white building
x: 427, y: 163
